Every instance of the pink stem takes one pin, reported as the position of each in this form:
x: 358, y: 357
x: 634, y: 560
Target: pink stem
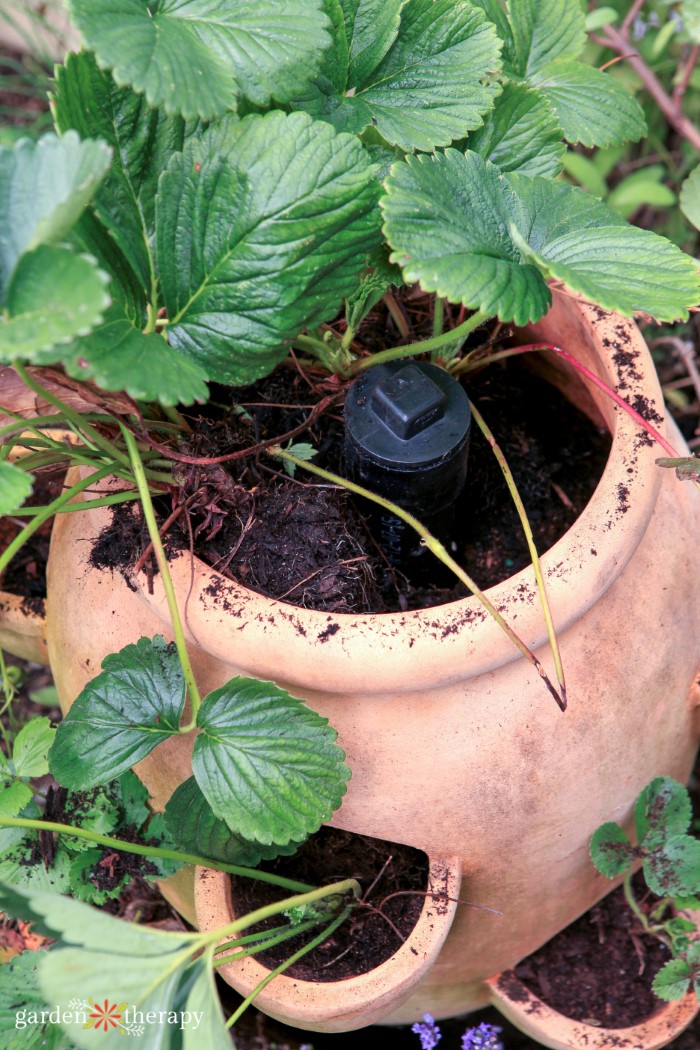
x: 639, y: 420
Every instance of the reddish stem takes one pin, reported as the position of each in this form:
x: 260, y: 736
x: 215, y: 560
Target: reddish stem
x: 620, y: 401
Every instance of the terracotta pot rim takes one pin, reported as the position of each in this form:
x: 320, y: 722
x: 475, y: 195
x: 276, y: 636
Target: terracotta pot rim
x: 520, y: 1005
x: 274, y: 637
x: 332, y: 1005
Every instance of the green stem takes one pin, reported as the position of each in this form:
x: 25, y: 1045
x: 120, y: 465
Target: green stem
x: 268, y: 911
x: 438, y: 316
x: 151, y: 319
x: 632, y: 900
x: 324, y: 935
x: 641, y: 917
x: 88, y: 504
x: 426, y: 346
x: 54, y: 422
x: 176, y: 418
x: 478, y: 359
x: 253, y: 945
x: 311, y: 345
x: 396, y: 315
x: 435, y: 547
x: 74, y: 417
x: 153, y: 851
x: 46, y: 512
x: 152, y: 526
x: 522, y: 514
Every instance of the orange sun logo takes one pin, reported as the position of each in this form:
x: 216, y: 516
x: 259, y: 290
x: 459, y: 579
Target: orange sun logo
x: 105, y: 1016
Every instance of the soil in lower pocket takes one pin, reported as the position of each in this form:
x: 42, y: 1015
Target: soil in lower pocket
x: 394, y: 880
x: 599, y: 970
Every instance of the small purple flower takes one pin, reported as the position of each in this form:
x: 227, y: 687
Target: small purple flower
x: 428, y: 1032
x: 639, y: 28
x: 484, y: 1037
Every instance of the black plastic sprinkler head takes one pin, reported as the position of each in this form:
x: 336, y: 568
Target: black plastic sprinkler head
x: 407, y: 438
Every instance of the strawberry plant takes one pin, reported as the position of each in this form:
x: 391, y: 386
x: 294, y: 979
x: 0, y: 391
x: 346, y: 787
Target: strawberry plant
x: 670, y: 860
x: 223, y: 179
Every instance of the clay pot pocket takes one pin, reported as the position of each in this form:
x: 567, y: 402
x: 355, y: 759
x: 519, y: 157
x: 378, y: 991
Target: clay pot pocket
x: 353, y: 1002
x: 512, y: 994
x: 23, y: 628
x: 550, y: 1028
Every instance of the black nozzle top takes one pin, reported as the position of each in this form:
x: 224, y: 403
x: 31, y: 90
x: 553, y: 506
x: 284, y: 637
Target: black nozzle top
x: 408, y: 401
x: 407, y: 432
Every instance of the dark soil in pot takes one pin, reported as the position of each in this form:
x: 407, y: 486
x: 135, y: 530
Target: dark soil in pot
x: 394, y: 880
x: 308, y: 544
x: 599, y: 969
x: 26, y: 573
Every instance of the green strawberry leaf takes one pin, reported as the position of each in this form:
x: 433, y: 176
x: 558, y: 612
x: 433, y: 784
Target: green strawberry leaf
x: 142, y: 141
x: 44, y: 188
x: 267, y: 764
x: 592, y: 107
x: 204, y: 1001
x: 14, y: 795
x: 118, y: 356
x: 370, y: 28
x: 12, y: 837
x: 544, y: 30
x: 97, y: 810
x: 23, y: 865
x: 15, y: 485
x: 372, y: 287
x: 673, y: 870
x: 611, y: 850
x: 134, y: 800
x: 684, y: 903
x: 589, y: 247
x: 446, y: 218
x: 495, y: 13
x: 194, y: 828
x: 672, y: 980
x: 432, y: 85
x: 263, y: 227
x: 661, y: 810
x: 489, y: 241
x: 690, y: 197
x: 83, y: 883
x: 121, y: 715
x: 195, y: 57
x: 53, y: 296
x: 522, y: 134
x: 75, y: 923
x: 19, y: 988
x: 30, y: 752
